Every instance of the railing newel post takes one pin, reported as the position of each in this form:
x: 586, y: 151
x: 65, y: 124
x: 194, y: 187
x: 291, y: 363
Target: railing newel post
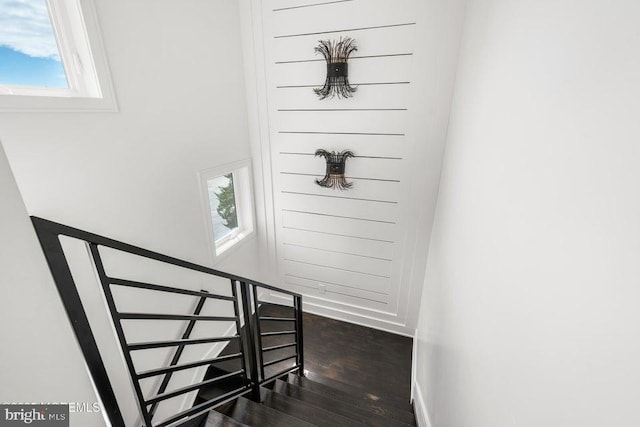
x: 299, y: 334
x: 236, y: 311
x: 251, y: 347
x: 258, y: 333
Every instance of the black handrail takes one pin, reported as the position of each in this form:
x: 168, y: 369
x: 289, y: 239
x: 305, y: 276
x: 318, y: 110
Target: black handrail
x: 251, y: 356
x: 58, y: 229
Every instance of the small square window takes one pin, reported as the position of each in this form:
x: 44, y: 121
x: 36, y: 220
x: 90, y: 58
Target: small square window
x: 224, y: 212
x: 227, y: 197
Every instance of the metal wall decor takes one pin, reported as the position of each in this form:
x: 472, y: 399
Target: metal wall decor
x: 336, y: 53
x: 334, y: 177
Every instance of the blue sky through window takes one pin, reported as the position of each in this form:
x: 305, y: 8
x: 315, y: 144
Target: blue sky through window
x: 29, y: 53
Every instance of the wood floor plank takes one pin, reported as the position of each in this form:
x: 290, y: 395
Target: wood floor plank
x: 355, y: 397
x: 304, y: 411
x: 363, y: 372
x: 335, y: 405
x: 217, y: 419
x: 254, y: 414
x: 376, y: 361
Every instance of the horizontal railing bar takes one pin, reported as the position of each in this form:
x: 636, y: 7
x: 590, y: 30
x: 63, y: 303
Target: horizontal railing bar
x: 273, y: 362
x: 158, y: 344
x: 278, y: 347
x: 278, y: 319
x: 160, y: 371
x: 273, y: 288
x: 273, y: 304
x: 156, y: 316
x: 204, y: 407
x: 50, y: 233
x: 183, y: 390
x: 65, y: 230
x: 272, y: 334
x: 161, y: 288
x: 279, y: 374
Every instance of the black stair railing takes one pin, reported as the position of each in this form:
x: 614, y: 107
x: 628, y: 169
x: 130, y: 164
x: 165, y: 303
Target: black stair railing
x: 178, y: 353
x: 293, y: 329
x: 247, y: 307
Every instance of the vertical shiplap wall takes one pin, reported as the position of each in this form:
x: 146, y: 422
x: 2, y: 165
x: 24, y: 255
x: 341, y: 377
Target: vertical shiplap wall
x: 344, y: 250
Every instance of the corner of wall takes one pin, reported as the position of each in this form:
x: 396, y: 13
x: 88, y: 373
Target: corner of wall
x: 414, y: 362
x: 420, y: 407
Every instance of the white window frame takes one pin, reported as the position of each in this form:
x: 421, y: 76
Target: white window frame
x: 243, y: 192
x: 77, y: 33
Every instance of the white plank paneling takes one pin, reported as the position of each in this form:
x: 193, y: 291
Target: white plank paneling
x: 281, y: 5
x: 358, y: 167
x: 332, y: 275
x: 362, y: 188
x: 380, y: 122
x: 366, y: 96
x: 343, y: 16
x: 321, y: 257
x: 362, y: 145
x: 370, y: 232
x: 365, y: 210
x: 337, y: 293
x: 375, y: 42
x: 365, y: 70
x: 350, y: 241
x: 333, y: 242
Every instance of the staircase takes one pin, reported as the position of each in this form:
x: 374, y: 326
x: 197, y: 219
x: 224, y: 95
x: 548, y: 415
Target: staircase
x: 298, y: 401
x: 294, y: 400
x: 255, y: 380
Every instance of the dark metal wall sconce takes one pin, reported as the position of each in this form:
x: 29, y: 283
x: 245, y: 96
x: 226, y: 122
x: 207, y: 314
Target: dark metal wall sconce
x: 334, y: 176
x: 336, y: 53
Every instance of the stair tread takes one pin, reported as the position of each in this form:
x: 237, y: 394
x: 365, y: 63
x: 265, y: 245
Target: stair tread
x: 254, y: 414
x: 304, y: 411
x: 362, y: 400
x: 217, y: 419
x: 199, y: 421
x: 335, y: 405
x: 219, y: 388
x: 366, y: 395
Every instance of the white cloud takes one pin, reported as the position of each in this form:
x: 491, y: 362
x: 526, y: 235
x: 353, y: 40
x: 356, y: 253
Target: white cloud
x: 25, y: 26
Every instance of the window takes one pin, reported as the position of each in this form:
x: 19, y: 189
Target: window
x: 224, y: 213
x: 228, y: 202
x: 29, y: 54
x: 51, y: 57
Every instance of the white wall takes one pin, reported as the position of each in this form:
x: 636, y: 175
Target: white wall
x: 41, y: 362
x: 530, y: 311
x: 177, y: 71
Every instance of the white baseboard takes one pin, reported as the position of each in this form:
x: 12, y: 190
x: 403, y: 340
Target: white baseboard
x: 414, y: 362
x: 420, y: 408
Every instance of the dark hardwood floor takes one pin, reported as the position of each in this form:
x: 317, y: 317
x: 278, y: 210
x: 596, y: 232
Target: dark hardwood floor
x: 355, y: 377
x: 366, y: 358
